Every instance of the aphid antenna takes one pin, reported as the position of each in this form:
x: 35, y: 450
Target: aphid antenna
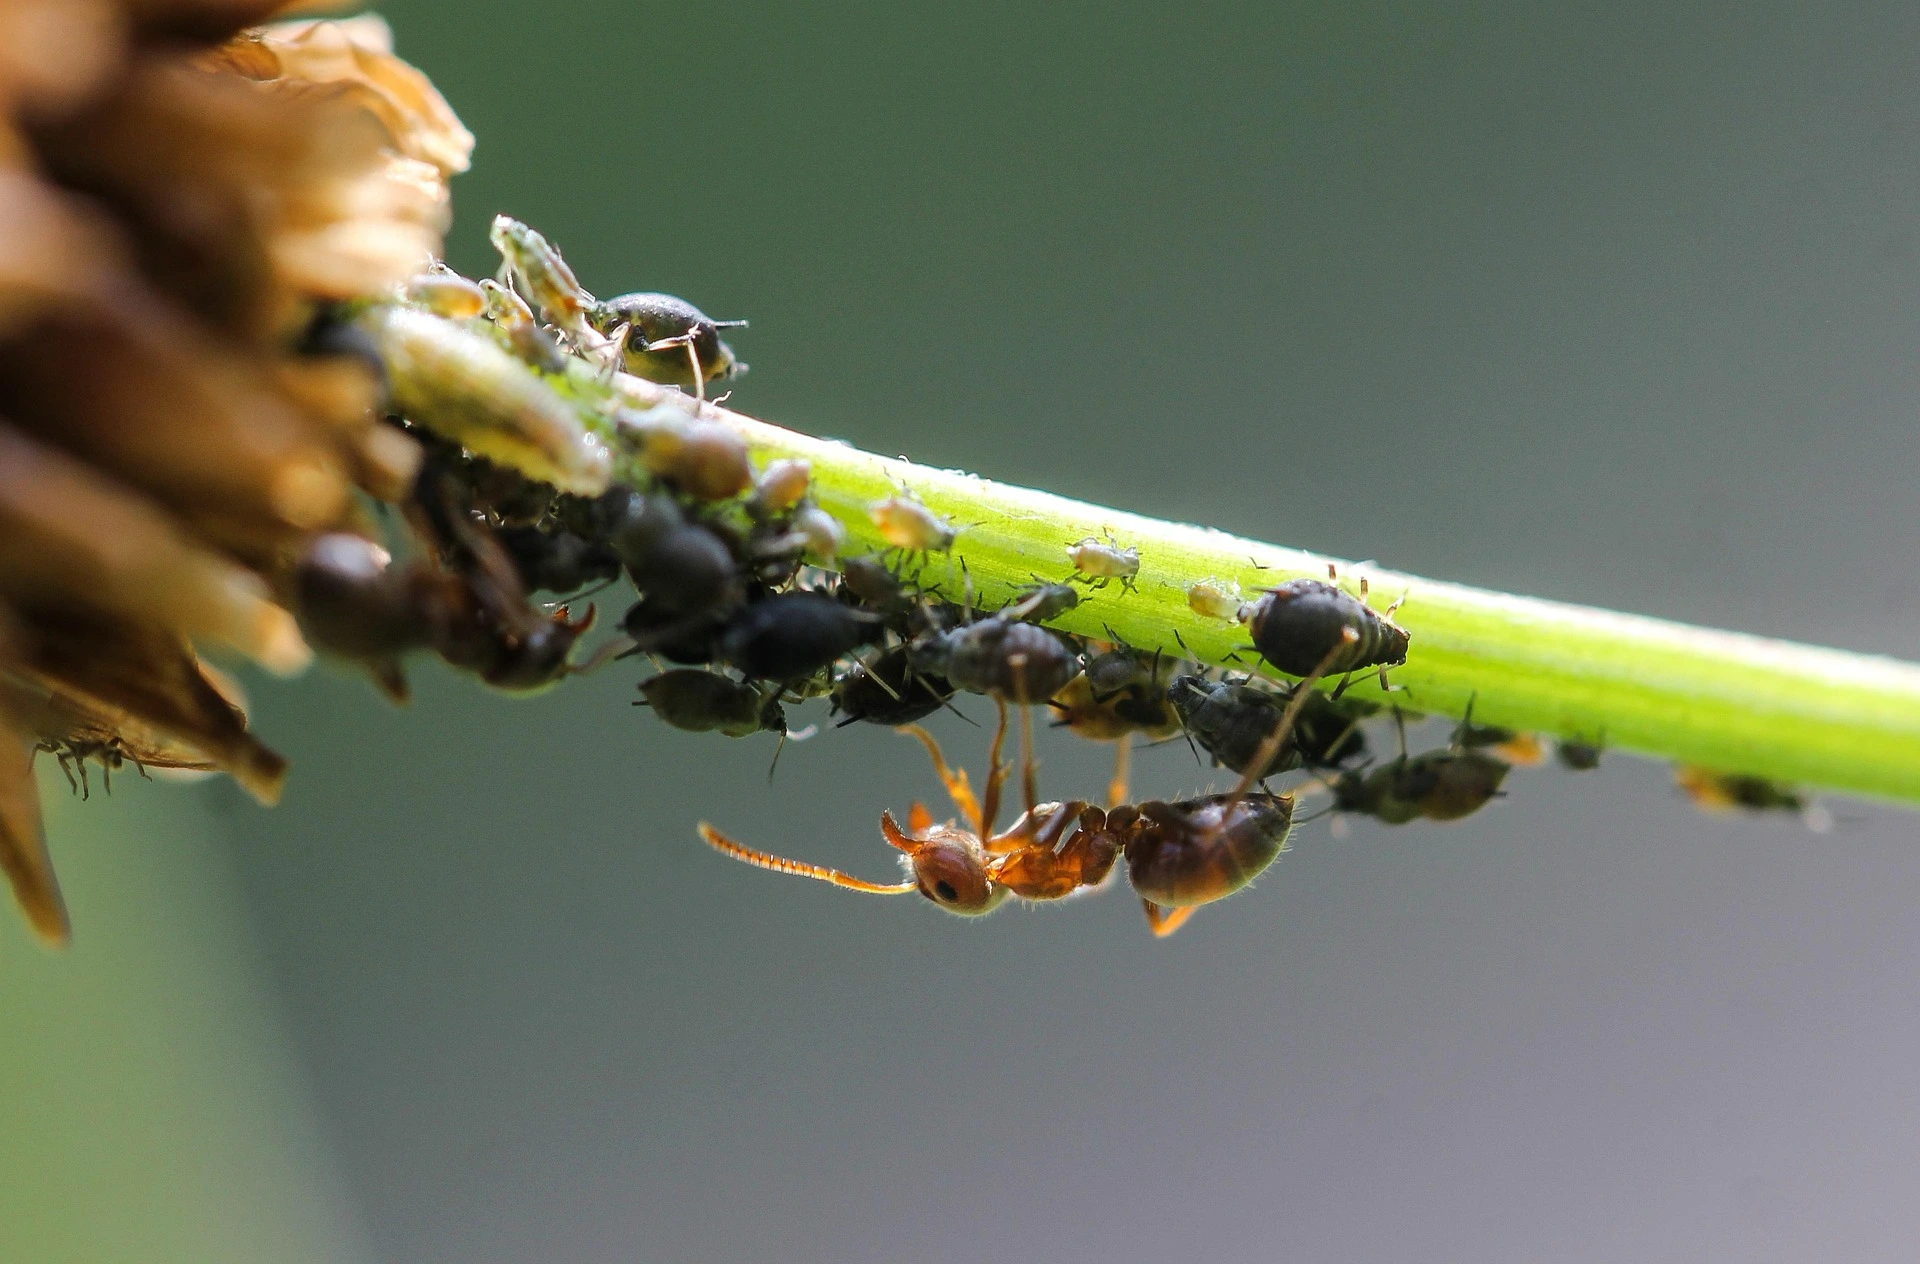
x: 798, y: 868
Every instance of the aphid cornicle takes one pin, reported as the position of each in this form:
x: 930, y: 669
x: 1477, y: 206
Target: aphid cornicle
x: 1299, y: 623
x: 1098, y: 562
x: 705, y: 702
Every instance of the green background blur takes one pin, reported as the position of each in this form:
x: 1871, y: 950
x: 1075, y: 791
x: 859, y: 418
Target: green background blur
x: 1617, y: 306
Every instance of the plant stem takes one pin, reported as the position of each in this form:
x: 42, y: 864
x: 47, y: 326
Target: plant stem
x: 1794, y: 713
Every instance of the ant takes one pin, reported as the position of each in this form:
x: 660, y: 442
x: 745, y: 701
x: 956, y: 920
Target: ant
x: 1179, y: 855
x: 1300, y: 622
x: 1098, y: 561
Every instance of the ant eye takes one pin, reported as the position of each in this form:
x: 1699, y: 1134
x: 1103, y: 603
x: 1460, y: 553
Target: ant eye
x: 943, y: 890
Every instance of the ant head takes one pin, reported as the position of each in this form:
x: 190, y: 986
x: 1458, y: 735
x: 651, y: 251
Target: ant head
x: 949, y: 866
x: 951, y: 870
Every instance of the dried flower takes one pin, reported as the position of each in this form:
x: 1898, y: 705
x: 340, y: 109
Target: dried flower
x: 180, y: 201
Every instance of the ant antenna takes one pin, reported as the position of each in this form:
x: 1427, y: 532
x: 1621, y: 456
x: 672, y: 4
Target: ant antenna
x: 798, y: 868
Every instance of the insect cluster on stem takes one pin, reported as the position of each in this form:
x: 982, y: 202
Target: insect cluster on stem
x: 749, y: 604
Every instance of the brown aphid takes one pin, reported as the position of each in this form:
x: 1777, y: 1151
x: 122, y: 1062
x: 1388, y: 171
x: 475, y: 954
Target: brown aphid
x: 905, y: 523
x: 668, y: 340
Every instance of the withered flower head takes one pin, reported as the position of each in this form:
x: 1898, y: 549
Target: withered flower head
x: 181, y: 199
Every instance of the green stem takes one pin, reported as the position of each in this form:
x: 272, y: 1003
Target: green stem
x: 1794, y: 713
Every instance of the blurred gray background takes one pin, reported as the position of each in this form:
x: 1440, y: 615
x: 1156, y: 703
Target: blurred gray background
x: 1619, y: 307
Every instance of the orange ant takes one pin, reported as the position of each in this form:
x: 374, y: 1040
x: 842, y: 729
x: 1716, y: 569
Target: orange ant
x: 1179, y: 855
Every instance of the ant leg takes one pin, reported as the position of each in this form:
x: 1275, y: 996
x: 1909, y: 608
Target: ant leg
x: 799, y: 868
x: 1122, y: 757
x: 959, y: 789
x: 1163, y: 921
x: 919, y: 820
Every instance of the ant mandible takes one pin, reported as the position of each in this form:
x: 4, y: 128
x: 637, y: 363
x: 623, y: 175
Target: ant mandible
x: 1179, y: 855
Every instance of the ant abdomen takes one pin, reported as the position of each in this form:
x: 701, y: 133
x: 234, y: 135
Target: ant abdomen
x: 1196, y: 851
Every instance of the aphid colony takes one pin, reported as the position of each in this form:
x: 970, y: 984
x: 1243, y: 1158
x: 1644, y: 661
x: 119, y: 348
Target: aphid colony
x: 748, y: 604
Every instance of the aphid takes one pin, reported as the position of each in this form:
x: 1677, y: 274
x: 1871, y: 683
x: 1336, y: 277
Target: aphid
x: 1523, y: 749
x: 825, y: 536
x: 476, y: 616
x: 884, y: 689
x: 1042, y: 603
x: 1179, y: 855
x: 1010, y: 660
x: 683, y: 567
x: 1215, y: 599
x: 780, y: 487
x: 705, y: 459
x: 794, y: 634
x: 1717, y: 791
x: 1120, y: 693
x: 668, y: 340
x: 1300, y: 622
x: 679, y: 637
x: 558, y: 560
x: 547, y: 278
x: 1577, y: 755
x: 705, y: 702
x: 873, y: 584
x: 1442, y: 785
x: 522, y: 334
x: 446, y: 294
x: 1230, y: 719
x: 1099, y: 562
x: 904, y: 523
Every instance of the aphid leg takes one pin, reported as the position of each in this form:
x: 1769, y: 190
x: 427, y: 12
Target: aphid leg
x: 1122, y: 758
x: 1164, y: 921
x: 799, y: 868
x: 66, y: 766
x: 693, y: 358
x: 1284, y: 727
x: 959, y: 789
x: 1400, y: 731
